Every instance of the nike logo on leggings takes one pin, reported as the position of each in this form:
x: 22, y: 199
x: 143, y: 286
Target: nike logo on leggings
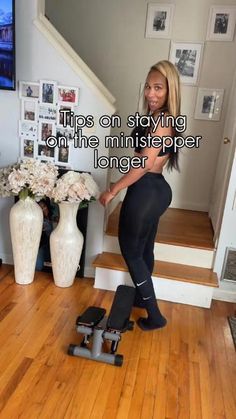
x: 147, y: 298
x: 141, y: 283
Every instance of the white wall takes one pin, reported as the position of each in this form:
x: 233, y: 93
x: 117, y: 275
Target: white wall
x: 37, y: 59
x: 109, y: 36
x: 227, y: 237
x: 228, y: 227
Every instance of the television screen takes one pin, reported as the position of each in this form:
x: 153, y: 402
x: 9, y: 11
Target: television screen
x: 7, y: 44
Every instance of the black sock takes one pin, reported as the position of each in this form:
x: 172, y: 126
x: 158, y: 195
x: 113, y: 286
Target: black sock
x: 148, y: 324
x: 138, y: 301
x: 155, y: 320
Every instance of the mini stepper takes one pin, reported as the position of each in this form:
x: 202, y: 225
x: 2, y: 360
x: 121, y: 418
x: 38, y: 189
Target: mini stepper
x: 93, y: 324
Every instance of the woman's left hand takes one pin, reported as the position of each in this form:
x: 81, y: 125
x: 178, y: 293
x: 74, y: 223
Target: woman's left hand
x: 105, y: 198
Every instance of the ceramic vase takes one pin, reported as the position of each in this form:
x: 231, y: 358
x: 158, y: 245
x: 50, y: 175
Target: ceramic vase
x: 26, y: 223
x: 66, y: 243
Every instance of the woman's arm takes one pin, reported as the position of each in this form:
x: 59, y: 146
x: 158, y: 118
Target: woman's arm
x: 135, y: 174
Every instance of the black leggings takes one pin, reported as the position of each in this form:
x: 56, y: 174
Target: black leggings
x: 145, y: 201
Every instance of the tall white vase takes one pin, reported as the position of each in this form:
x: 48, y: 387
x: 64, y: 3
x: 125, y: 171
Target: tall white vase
x: 26, y: 223
x: 66, y: 243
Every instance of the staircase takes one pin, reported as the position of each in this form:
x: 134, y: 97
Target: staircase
x: 184, y: 253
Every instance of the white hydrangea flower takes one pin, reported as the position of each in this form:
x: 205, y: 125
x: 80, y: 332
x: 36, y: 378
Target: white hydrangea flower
x: 5, y: 189
x: 34, y: 177
x: 75, y: 187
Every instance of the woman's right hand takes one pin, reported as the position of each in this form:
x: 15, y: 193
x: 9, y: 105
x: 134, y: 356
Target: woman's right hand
x: 105, y: 198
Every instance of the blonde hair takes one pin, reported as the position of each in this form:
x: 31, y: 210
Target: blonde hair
x: 169, y: 71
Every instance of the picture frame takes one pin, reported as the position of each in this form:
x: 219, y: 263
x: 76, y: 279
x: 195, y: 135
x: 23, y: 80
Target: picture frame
x: 66, y: 132
x: 29, y: 90
x: 159, y: 20
x: 48, y: 92
x: 63, y: 156
x: 209, y: 104
x: 47, y: 112
x: 44, y: 152
x: 60, y: 116
x: 221, y: 23
x: 29, y: 110
x: 46, y: 129
x: 28, y: 129
x: 27, y: 148
x: 68, y: 95
x: 187, y: 58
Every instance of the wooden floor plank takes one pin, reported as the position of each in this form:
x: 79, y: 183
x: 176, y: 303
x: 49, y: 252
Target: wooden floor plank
x: 185, y: 370
x: 5, y: 269
x: 177, y: 227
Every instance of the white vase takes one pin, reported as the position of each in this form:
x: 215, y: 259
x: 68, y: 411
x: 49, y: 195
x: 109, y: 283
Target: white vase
x: 66, y: 243
x: 26, y: 223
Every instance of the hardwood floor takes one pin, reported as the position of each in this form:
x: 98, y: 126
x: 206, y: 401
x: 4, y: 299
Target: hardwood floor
x: 177, y: 227
x: 186, y: 370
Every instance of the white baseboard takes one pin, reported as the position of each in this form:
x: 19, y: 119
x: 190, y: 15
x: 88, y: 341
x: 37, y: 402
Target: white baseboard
x: 170, y: 253
x: 89, y: 272
x: 224, y: 295
x: 6, y: 258
x: 165, y: 289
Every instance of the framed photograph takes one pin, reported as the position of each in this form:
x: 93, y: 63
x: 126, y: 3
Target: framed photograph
x: 29, y: 110
x: 63, y: 156
x: 48, y: 92
x: 67, y: 133
x: 159, y: 20
x: 28, y: 129
x: 27, y: 148
x: 68, y: 95
x: 209, y: 104
x: 46, y: 129
x: 221, y: 24
x: 60, y: 116
x: 47, y: 113
x: 44, y: 152
x: 28, y: 89
x: 186, y: 57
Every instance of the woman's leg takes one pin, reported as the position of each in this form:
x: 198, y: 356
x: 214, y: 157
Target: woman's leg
x: 141, y: 208
x: 148, y: 257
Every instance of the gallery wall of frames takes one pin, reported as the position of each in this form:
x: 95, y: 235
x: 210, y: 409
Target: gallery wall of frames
x: 41, y: 103
x: 187, y: 56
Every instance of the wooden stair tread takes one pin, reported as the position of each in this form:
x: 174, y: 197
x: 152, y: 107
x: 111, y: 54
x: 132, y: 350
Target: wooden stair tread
x: 175, y: 271
x: 5, y: 269
x: 176, y: 227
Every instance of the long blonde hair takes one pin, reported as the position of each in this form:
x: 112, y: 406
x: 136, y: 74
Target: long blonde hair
x: 169, y: 71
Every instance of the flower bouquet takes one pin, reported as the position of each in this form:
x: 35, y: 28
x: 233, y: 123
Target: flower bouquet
x: 32, y: 179
x: 75, y: 187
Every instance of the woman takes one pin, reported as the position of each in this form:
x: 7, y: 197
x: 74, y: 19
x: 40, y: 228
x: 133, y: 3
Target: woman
x: 148, y: 194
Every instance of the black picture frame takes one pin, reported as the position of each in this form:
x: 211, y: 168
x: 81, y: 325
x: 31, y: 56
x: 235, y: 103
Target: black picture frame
x: 7, y: 45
